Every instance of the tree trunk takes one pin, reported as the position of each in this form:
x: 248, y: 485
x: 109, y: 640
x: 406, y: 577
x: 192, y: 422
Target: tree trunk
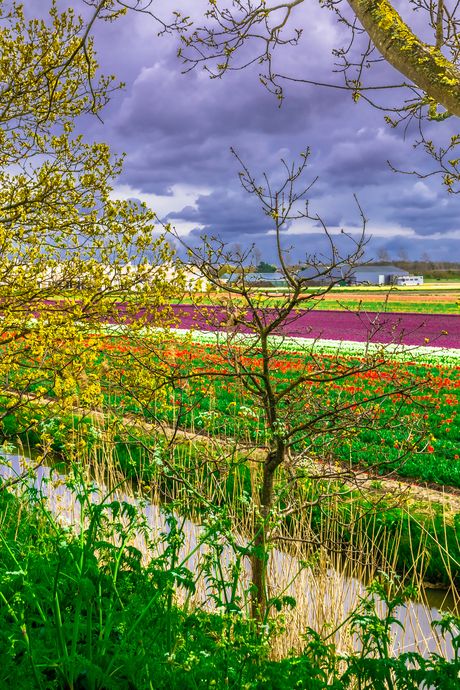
x: 261, y: 531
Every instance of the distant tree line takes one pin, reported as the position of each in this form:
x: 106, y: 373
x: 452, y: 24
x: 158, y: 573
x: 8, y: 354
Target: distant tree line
x: 424, y: 266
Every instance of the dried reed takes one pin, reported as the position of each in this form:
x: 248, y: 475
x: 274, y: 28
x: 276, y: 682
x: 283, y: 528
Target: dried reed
x: 326, y: 590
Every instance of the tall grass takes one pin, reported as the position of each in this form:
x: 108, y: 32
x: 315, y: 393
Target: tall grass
x: 116, y: 588
x: 325, y: 583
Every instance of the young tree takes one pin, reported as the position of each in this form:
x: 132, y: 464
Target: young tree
x: 237, y: 251
x: 256, y: 254
x: 383, y: 255
x: 403, y: 255
x: 306, y: 427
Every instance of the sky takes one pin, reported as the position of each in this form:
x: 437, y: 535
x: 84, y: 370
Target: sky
x: 177, y: 129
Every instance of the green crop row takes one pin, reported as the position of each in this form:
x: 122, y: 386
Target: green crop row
x: 413, y: 306
x: 220, y: 406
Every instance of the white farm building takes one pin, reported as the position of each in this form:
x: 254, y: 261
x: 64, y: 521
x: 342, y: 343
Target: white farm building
x: 370, y: 275
x: 384, y: 275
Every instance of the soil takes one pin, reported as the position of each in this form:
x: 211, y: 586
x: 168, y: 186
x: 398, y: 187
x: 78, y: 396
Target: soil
x: 424, y: 492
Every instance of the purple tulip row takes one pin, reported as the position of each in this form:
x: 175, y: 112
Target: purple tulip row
x: 441, y: 330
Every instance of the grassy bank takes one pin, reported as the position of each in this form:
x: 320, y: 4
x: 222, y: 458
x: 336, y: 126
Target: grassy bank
x: 82, y: 609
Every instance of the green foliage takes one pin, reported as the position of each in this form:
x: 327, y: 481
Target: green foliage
x: 79, y: 610
x: 450, y: 274
x: 394, y: 305
x: 68, y: 253
x: 263, y: 267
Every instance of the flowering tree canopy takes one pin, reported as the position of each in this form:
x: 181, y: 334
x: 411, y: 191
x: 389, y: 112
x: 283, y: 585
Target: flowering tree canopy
x: 69, y: 254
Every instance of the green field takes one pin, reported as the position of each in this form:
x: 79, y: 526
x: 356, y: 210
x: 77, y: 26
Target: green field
x: 393, y: 306
x: 396, y: 302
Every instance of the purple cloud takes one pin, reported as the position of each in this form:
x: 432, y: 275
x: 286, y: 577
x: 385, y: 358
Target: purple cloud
x: 177, y: 129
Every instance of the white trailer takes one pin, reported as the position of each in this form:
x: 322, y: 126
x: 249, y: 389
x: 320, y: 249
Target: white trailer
x: 408, y: 280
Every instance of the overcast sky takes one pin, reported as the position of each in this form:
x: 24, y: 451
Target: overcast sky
x: 176, y: 130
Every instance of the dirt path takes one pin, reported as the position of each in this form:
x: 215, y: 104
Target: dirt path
x: 414, y: 491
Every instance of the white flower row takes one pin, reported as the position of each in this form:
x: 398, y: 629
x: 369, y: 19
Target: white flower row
x: 398, y: 352
x: 422, y: 354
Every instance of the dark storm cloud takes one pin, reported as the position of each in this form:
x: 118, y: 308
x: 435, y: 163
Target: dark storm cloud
x: 360, y: 159
x: 428, y: 221
x: 222, y: 211
x: 177, y: 129
x: 439, y: 250
x: 180, y: 128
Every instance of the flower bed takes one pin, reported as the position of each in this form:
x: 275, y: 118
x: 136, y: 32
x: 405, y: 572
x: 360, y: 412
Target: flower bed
x: 443, y: 330
x: 217, y: 403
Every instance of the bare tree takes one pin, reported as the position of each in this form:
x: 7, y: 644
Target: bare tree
x: 306, y: 428
x: 425, y: 258
x: 383, y: 255
x: 237, y: 251
x: 256, y: 254
x: 403, y: 255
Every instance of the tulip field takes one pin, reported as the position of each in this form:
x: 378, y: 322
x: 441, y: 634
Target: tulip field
x: 205, y: 396
x: 441, y: 330
x: 213, y: 401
